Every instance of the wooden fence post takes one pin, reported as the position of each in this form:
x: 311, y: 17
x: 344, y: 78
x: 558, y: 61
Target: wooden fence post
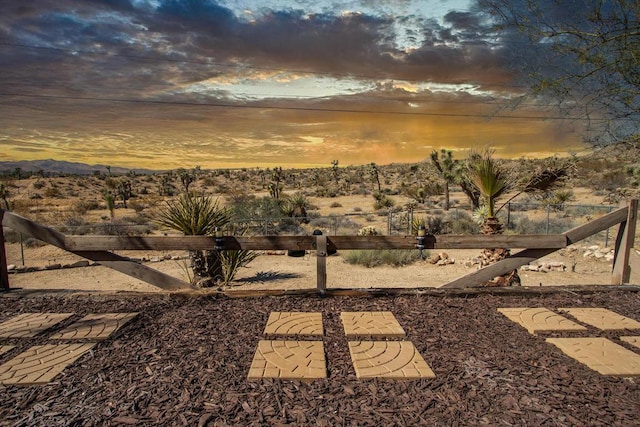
x: 4, y: 274
x: 321, y: 256
x: 624, y: 242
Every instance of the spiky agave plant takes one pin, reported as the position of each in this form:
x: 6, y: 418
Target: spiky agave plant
x: 201, y: 215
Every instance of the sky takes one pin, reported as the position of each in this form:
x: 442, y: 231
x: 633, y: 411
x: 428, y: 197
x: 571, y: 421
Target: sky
x: 164, y: 84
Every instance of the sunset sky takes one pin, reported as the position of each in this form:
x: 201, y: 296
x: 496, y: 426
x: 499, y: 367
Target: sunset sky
x: 164, y: 84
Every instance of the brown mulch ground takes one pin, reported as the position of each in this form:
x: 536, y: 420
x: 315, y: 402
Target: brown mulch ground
x: 184, y: 361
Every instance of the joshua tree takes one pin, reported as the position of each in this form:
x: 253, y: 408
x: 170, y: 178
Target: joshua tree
x: 375, y: 175
x: 446, y: 167
x: 4, y: 195
x: 335, y: 170
x: 110, y: 200
x: 186, y: 177
x: 275, y: 187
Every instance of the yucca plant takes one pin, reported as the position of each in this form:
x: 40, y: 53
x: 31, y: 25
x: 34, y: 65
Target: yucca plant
x: 492, y: 182
x: 200, y: 216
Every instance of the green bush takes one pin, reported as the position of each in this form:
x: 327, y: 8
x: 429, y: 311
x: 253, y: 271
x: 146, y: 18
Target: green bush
x: 375, y: 258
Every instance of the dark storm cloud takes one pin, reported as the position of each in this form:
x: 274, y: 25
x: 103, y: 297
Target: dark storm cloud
x: 200, y: 32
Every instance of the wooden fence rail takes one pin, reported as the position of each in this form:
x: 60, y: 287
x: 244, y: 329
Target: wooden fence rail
x: 97, y: 248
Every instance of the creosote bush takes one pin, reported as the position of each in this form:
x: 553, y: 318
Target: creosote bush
x: 380, y: 257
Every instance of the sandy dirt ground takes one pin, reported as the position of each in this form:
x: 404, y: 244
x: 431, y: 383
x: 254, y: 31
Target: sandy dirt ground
x: 283, y: 272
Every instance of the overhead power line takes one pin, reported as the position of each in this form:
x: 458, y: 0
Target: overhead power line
x: 284, y: 108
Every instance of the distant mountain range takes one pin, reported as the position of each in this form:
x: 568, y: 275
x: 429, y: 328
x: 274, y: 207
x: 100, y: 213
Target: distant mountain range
x: 51, y: 166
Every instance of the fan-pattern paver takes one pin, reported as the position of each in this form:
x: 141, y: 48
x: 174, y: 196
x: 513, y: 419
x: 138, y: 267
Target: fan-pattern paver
x: 294, y: 323
x: 600, y: 354
x: 288, y: 360
x: 634, y: 341
x: 29, y: 325
x: 378, y: 324
x: 602, y: 318
x: 94, y: 326
x: 5, y: 349
x: 388, y: 359
x: 40, y: 364
x: 540, y: 319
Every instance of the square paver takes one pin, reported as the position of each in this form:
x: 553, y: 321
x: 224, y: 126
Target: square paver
x: 29, y: 325
x: 94, y: 326
x: 288, y: 360
x: 40, y: 364
x: 602, y: 318
x: 540, y: 319
x: 600, y: 354
x: 388, y: 359
x: 294, y: 323
x: 379, y: 324
x: 634, y: 341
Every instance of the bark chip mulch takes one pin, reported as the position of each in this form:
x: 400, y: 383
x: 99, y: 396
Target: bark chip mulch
x: 184, y: 361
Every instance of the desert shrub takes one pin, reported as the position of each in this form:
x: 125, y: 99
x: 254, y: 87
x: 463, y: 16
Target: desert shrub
x: 432, y: 224
x: 369, y: 230
x: 52, y: 192
x: 81, y: 207
x: 375, y: 258
x: 357, y: 209
x: 382, y: 201
x: 38, y: 185
x: 524, y: 225
x: 137, y: 206
x: 335, y: 205
x: 461, y: 222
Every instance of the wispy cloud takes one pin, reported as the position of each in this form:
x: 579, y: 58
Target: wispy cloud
x: 347, y: 58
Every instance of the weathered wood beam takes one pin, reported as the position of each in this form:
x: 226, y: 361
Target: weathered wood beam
x: 91, y: 243
x: 4, y: 272
x: 321, y: 263
x: 108, y: 259
x: 624, y: 242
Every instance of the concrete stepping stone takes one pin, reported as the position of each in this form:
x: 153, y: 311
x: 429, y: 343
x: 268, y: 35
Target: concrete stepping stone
x: 634, y: 341
x: 294, y: 323
x: 600, y: 354
x: 378, y: 324
x: 5, y: 349
x: 388, y: 359
x: 40, y: 364
x: 602, y: 318
x: 288, y: 360
x: 29, y: 325
x: 540, y: 319
x: 94, y: 326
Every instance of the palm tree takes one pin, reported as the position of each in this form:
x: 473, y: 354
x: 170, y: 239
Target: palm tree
x: 492, y: 182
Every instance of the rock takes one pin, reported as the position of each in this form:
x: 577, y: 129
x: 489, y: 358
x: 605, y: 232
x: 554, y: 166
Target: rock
x: 53, y: 267
x: 609, y: 257
x: 156, y: 259
x: 593, y: 248
x: 82, y: 263
x: 11, y: 267
x: 587, y: 254
x: 433, y: 259
x: 443, y: 255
